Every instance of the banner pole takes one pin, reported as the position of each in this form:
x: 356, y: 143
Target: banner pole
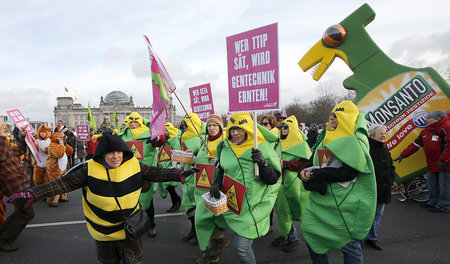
x: 198, y: 133
x: 255, y: 138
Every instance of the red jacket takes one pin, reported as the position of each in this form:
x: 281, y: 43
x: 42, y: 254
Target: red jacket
x: 91, y: 146
x: 435, y: 141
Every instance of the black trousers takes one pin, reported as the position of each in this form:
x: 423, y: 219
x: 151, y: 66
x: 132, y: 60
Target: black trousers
x: 16, y: 222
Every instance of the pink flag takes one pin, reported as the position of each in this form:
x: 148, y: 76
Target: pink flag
x: 271, y: 113
x: 162, y: 86
x: 284, y: 113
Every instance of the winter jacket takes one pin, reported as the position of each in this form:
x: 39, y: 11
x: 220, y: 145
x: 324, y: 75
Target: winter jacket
x: 434, y: 140
x: 384, y: 170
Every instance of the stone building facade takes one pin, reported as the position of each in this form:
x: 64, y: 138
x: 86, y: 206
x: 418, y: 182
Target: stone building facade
x: 73, y: 114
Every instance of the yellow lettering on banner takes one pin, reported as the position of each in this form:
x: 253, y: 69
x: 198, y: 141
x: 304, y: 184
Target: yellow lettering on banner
x: 231, y: 198
x: 136, y: 152
x: 203, y: 180
x: 164, y: 155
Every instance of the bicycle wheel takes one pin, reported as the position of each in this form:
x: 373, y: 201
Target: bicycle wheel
x: 417, y: 190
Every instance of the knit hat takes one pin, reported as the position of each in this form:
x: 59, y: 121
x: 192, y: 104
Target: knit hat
x: 438, y: 115
x: 216, y: 119
x: 109, y: 141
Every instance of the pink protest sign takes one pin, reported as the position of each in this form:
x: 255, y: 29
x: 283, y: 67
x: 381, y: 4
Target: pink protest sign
x: 253, y: 82
x: 22, y: 122
x: 201, y: 101
x: 18, y: 119
x: 83, y: 132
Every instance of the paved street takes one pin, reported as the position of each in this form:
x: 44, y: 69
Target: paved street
x: 408, y: 234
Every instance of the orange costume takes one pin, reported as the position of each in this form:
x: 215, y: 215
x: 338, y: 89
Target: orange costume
x: 41, y: 144
x: 56, y: 164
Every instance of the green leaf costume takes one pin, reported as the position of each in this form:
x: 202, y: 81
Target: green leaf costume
x: 259, y: 198
x: 343, y: 214
x: 150, y: 153
x: 193, y: 142
x: 174, y: 142
x: 292, y: 197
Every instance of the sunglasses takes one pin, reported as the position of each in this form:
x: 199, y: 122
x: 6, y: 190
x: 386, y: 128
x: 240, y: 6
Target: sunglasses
x: 333, y: 115
x: 265, y: 123
x: 284, y: 126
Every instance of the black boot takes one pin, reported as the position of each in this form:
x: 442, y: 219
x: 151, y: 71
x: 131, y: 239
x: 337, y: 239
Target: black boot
x: 176, y: 199
x: 373, y: 244
x: 191, y: 233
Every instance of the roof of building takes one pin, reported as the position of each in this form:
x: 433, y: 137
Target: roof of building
x: 116, y: 97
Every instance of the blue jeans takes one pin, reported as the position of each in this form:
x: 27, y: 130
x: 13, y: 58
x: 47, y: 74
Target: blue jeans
x: 292, y: 236
x: 373, y: 230
x: 352, y: 254
x: 439, y: 190
x: 243, y: 249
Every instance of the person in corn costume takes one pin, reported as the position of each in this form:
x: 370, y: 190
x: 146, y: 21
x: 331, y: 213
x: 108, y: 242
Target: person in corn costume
x: 191, y: 141
x: 172, y: 140
x: 208, y: 155
x: 237, y: 157
x: 341, y: 205
x: 292, y: 197
x: 138, y: 130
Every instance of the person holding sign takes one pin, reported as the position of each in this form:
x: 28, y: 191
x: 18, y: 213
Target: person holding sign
x: 343, y: 197
x: 292, y: 198
x: 114, y: 174
x: 137, y: 135
x: 172, y: 142
x: 205, y: 161
x: 191, y: 143
x: 250, y: 198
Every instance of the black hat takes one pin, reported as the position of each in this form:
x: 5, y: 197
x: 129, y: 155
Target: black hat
x: 109, y: 141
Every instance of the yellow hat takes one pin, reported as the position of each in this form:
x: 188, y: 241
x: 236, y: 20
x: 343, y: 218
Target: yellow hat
x: 346, y: 114
x: 294, y: 137
x: 244, y: 121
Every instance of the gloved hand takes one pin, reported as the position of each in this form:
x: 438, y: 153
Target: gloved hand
x: 23, y: 195
x: 399, y: 159
x: 152, y: 141
x: 258, y: 157
x: 442, y: 165
x: 184, y: 173
x: 214, y: 191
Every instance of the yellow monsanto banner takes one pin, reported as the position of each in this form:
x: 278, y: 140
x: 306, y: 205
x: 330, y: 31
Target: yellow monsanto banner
x: 402, y: 103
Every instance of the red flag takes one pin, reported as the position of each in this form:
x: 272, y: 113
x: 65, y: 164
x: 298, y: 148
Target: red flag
x: 162, y: 86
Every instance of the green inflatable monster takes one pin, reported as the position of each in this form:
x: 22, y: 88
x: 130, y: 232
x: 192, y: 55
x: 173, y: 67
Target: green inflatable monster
x: 387, y: 93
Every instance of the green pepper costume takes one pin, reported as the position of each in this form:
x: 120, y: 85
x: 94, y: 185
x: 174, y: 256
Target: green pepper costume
x: 292, y: 197
x: 259, y: 198
x: 191, y: 140
x: 149, y: 152
x: 343, y: 214
x: 174, y: 142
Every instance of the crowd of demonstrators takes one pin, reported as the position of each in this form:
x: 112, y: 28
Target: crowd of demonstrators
x: 434, y: 139
x: 292, y: 196
x: 208, y: 155
x: 171, y: 142
x: 384, y: 174
x: 338, y: 189
x: 138, y: 132
x: 236, y: 156
x: 112, y: 168
x: 192, y: 131
x: 340, y: 176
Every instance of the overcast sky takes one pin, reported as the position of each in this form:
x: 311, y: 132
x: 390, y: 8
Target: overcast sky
x: 95, y: 47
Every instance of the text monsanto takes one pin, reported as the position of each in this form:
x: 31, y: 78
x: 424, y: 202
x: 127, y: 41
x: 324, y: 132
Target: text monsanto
x: 398, y: 102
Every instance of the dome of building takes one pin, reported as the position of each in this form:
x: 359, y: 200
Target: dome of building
x: 116, y: 97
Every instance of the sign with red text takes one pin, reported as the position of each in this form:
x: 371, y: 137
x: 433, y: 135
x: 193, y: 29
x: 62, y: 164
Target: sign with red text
x: 83, y: 132
x: 201, y: 101
x: 21, y: 122
x: 253, y: 76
